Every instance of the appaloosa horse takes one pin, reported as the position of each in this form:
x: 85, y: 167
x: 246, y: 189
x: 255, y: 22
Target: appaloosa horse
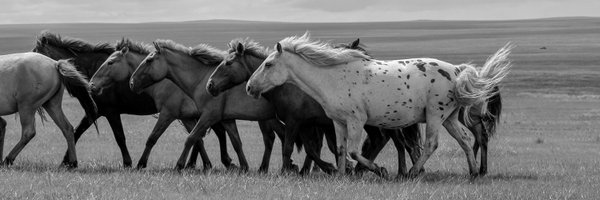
x: 355, y: 90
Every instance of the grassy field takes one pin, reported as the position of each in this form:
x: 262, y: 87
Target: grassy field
x: 547, y: 146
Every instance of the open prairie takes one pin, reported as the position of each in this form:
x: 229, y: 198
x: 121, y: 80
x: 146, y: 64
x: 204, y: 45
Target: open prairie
x: 547, y: 145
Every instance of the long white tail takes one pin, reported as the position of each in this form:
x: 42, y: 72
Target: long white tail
x: 477, y: 85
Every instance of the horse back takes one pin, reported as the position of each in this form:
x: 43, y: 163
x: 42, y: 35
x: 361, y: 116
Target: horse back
x: 27, y: 79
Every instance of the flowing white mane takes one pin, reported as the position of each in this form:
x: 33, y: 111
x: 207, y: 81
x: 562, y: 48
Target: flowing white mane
x: 320, y: 53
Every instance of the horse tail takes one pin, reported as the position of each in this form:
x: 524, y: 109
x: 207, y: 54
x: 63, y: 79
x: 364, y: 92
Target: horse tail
x: 479, y: 85
x: 495, y: 110
x: 78, y: 87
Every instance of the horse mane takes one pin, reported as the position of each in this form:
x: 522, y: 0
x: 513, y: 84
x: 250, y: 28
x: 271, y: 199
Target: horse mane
x: 73, y: 44
x: 204, y: 53
x: 207, y: 54
x: 250, y: 47
x: 137, y: 47
x: 320, y: 53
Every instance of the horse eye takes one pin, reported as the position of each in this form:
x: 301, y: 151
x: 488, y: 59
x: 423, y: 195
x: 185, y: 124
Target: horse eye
x: 110, y: 62
x: 268, y: 64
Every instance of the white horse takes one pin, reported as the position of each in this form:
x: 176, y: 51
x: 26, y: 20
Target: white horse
x: 356, y: 90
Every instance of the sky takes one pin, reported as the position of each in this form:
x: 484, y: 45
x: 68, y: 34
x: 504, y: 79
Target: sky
x: 67, y: 11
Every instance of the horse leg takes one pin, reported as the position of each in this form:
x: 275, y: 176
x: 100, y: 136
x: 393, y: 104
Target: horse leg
x: 164, y: 120
x: 198, y: 148
x: 234, y: 136
x: 198, y: 132
x: 411, y: 137
x: 291, y: 131
x: 2, y: 132
x: 374, y: 143
x: 354, y: 128
x: 312, y: 146
x: 219, y: 130
x: 54, y: 109
x: 311, y: 142
x: 268, y: 139
x: 84, y: 124
x: 400, y: 147
x: 114, y: 120
x: 461, y: 134
x: 27, y: 118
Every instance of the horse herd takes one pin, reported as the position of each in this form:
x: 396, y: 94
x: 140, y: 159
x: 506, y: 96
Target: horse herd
x: 310, y: 90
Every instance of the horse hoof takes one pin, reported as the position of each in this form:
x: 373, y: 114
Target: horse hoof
x: 413, y: 173
x: 127, y: 165
x: 70, y: 165
x: 179, y: 167
x: 263, y: 170
x: 232, y: 167
x: 141, y: 166
x: 382, y: 172
x: 295, y: 168
x: 482, y: 172
x: 190, y: 166
x: 244, y: 169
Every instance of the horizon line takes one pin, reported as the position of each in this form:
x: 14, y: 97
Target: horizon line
x: 314, y: 22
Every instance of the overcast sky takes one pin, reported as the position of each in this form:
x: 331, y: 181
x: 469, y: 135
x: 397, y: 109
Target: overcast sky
x: 58, y: 11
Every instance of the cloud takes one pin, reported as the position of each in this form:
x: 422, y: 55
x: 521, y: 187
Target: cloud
x: 52, y: 11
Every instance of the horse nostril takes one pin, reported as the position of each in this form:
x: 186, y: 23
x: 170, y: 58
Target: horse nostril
x: 131, y: 84
x: 210, y: 84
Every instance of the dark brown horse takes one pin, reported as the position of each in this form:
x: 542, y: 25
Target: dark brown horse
x: 298, y: 110
x: 171, y: 102
x: 115, y: 100
x: 189, y: 68
x: 30, y: 82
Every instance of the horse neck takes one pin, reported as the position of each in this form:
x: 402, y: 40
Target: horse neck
x: 252, y: 62
x: 89, y: 62
x: 314, y: 81
x: 133, y: 61
x: 187, y: 72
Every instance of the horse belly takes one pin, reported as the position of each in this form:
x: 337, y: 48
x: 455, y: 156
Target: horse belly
x: 393, y: 105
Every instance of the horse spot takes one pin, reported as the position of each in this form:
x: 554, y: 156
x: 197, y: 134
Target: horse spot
x: 441, y: 103
x: 408, y: 76
x: 388, y: 105
x: 399, y: 76
x: 433, y: 64
x: 424, y: 75
x: 382, y: 80
x: 410, y: 100
x: 421, y: 66
x: 398, y: 89
x: 441, y: 108
x: 357, y: 71
x: 399, y: 70
x: 444, y: 74
x: 349, y: 94
x: 401, y: 62
x: 432, y: 80
x: 379, y: 63
x: 395, y: 111
x: 457, y: 71
x: 419, y: 60
x: 437, y: 95
x: 407, y: 86
x: 353, y: 112
x: 404, y: 103
x: 395, y: 101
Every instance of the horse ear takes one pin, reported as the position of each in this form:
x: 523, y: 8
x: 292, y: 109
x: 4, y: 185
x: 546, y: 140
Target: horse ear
x: 355, y: 44
x: 124, y: 50
x: 278, y: 47
x: 157, y: 47
x: 240, y: 49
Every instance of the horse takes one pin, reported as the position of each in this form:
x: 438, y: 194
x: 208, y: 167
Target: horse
x: 189, y: 69
x: 31, y: 83
x: 171, y: 102
x: 355, y: 90
x: 115, y: 100
x: 298, y: 110
x: 483, y: 125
